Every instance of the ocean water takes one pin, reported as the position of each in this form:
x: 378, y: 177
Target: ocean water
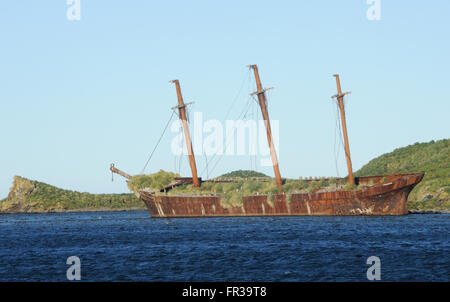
x: 130, y: 246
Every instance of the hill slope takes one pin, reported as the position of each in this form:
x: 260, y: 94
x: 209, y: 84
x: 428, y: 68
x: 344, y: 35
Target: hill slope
x: 433, y: 158
x: 244, y: 174
x: 29, y: 196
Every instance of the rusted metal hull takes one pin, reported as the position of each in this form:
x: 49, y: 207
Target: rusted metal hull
x: 386, y: 198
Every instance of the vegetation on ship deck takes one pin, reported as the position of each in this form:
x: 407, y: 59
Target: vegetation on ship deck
x: 433, y: 158
x: 29, y: 196
x: 233, y: 191
x: 155, y: 181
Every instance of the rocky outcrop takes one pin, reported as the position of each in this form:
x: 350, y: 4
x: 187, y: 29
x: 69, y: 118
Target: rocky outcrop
x: 17, y: 198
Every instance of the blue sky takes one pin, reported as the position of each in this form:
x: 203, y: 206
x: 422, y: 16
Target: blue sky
x: 78, y: 95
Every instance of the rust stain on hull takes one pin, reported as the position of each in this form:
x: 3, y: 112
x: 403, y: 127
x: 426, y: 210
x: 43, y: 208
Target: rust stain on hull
x: 387, y: 198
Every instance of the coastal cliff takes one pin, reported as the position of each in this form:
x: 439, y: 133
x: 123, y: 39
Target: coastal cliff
x: 30, y: 196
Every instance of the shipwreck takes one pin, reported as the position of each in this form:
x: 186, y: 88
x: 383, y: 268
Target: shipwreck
x: 372, y: 195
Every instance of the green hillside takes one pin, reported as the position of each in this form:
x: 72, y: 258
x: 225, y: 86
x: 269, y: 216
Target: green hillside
x: 29, y: 196
x: 244, y: 174
x: 433, y: 158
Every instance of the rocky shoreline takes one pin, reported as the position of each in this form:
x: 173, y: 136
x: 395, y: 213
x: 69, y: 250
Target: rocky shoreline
x: 429, y: 211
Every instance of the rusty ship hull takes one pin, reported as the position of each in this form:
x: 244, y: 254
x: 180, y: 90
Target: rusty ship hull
x: 377, y: 195
x: 386, y: 198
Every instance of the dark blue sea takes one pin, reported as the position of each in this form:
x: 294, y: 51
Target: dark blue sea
x: 131, y: 246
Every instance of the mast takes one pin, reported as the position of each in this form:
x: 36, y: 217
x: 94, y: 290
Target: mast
x: 263, y: 104
x: 182, y: 114
x: 340, y: 97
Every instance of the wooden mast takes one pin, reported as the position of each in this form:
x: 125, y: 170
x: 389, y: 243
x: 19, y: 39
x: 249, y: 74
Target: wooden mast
x: 262, y: 103
x: 182, y: 114
x: 340, y: 97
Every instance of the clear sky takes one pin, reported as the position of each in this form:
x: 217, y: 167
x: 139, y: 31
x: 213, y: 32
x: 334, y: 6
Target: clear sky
x: 78, y: 95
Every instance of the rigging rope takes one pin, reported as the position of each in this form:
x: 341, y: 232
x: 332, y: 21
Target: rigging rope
x: 337, y: 134
x: 243, y: 113
x: 227, y: 114
x: 340, y: 134
x: 206, y: 161
x: 179, y: 161
x: 235, y: 99
x: 256, y: 147
x: 257, y: 125
x: 159, y: 140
